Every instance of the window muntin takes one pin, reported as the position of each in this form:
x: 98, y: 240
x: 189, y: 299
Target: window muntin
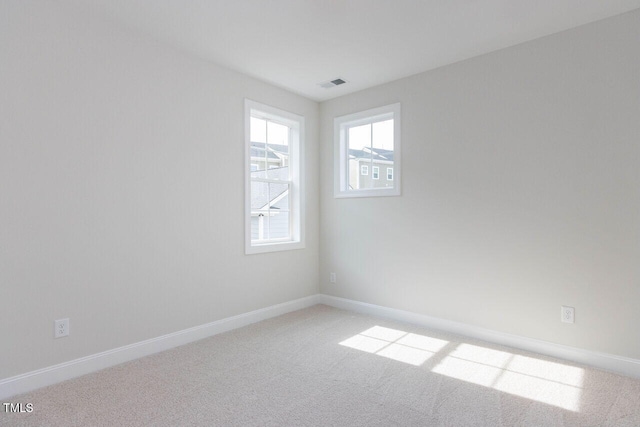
x: 364, y: 170
x: 273, y: 206
x: 370, y: 138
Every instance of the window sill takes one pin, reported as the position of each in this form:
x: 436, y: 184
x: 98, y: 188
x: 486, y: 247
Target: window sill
x: 367, y: 193
x: 273, y: 247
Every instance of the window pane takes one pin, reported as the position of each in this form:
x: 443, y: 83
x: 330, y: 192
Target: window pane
x: 279, y: 224
x: 383, y: 135
x: 282, y: 151
x: 382, y: 141
x: 277, y: 134
x: 268, y: 224
x: 279, y: 194
x: 258, y: 130
x: 278, y: 159
x: 259, y: 225
x: 359, y: 137
x: 281, y: 174
x: 270, y: 215
x: 259, y: 156
x: 265, y: 195
x: 259, y: 195
x: 254, y: 227
x: 271, y: 155
x: 359, y: 156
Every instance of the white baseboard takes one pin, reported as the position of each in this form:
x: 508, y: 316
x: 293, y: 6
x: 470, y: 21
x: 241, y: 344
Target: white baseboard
x: 64, y: 371
x: 95, y: 362
x: 622, y: 365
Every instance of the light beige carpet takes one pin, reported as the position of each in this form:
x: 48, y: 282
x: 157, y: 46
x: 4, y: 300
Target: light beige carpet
x: 327, y: 367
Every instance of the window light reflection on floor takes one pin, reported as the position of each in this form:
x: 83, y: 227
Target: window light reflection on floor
x: 398, y: 345
x: 547, y: 382
x: 535, y: 379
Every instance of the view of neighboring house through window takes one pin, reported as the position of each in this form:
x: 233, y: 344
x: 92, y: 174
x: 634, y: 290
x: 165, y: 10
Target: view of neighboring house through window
x: 376, y: 172
x: 273, y: 207
x: 369, y: 140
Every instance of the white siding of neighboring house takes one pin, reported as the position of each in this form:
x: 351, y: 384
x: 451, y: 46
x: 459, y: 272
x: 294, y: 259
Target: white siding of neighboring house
x: 279, y: 221
x: 356, y: 180
x: 354, y: 173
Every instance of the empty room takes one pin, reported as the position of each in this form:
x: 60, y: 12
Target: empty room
x: 320, y: 213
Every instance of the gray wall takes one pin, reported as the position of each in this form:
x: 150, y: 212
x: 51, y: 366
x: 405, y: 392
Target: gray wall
x: 520, y: 192
x: 122, y: 189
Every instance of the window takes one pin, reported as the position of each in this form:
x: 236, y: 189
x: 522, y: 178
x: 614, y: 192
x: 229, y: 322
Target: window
x: 274, y: 218
x: 369, y: 139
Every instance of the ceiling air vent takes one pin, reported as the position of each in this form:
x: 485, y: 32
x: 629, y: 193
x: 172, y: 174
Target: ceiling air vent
x: 332, y: 83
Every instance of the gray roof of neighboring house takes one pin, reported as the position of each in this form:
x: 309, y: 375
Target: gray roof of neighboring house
x: 373, y: 154
x: 258, y: 148
x: 262, y: 193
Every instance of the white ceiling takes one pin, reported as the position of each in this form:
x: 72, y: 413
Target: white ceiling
x: 297, y: 44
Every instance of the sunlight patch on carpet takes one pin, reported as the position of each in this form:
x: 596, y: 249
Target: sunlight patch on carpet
x: 535, y: 379
x: 394, y: 344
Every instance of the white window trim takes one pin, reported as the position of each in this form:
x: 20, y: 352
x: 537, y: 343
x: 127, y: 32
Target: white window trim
x: 341, y: 164
x: 296, y: 156
x: 389, y: 172
x: 364, y: 170
x: 375, y: 173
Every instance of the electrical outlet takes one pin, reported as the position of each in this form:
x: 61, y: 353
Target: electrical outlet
x: 332, y: 277
x: 61, y: 328
x: 567, y: 314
